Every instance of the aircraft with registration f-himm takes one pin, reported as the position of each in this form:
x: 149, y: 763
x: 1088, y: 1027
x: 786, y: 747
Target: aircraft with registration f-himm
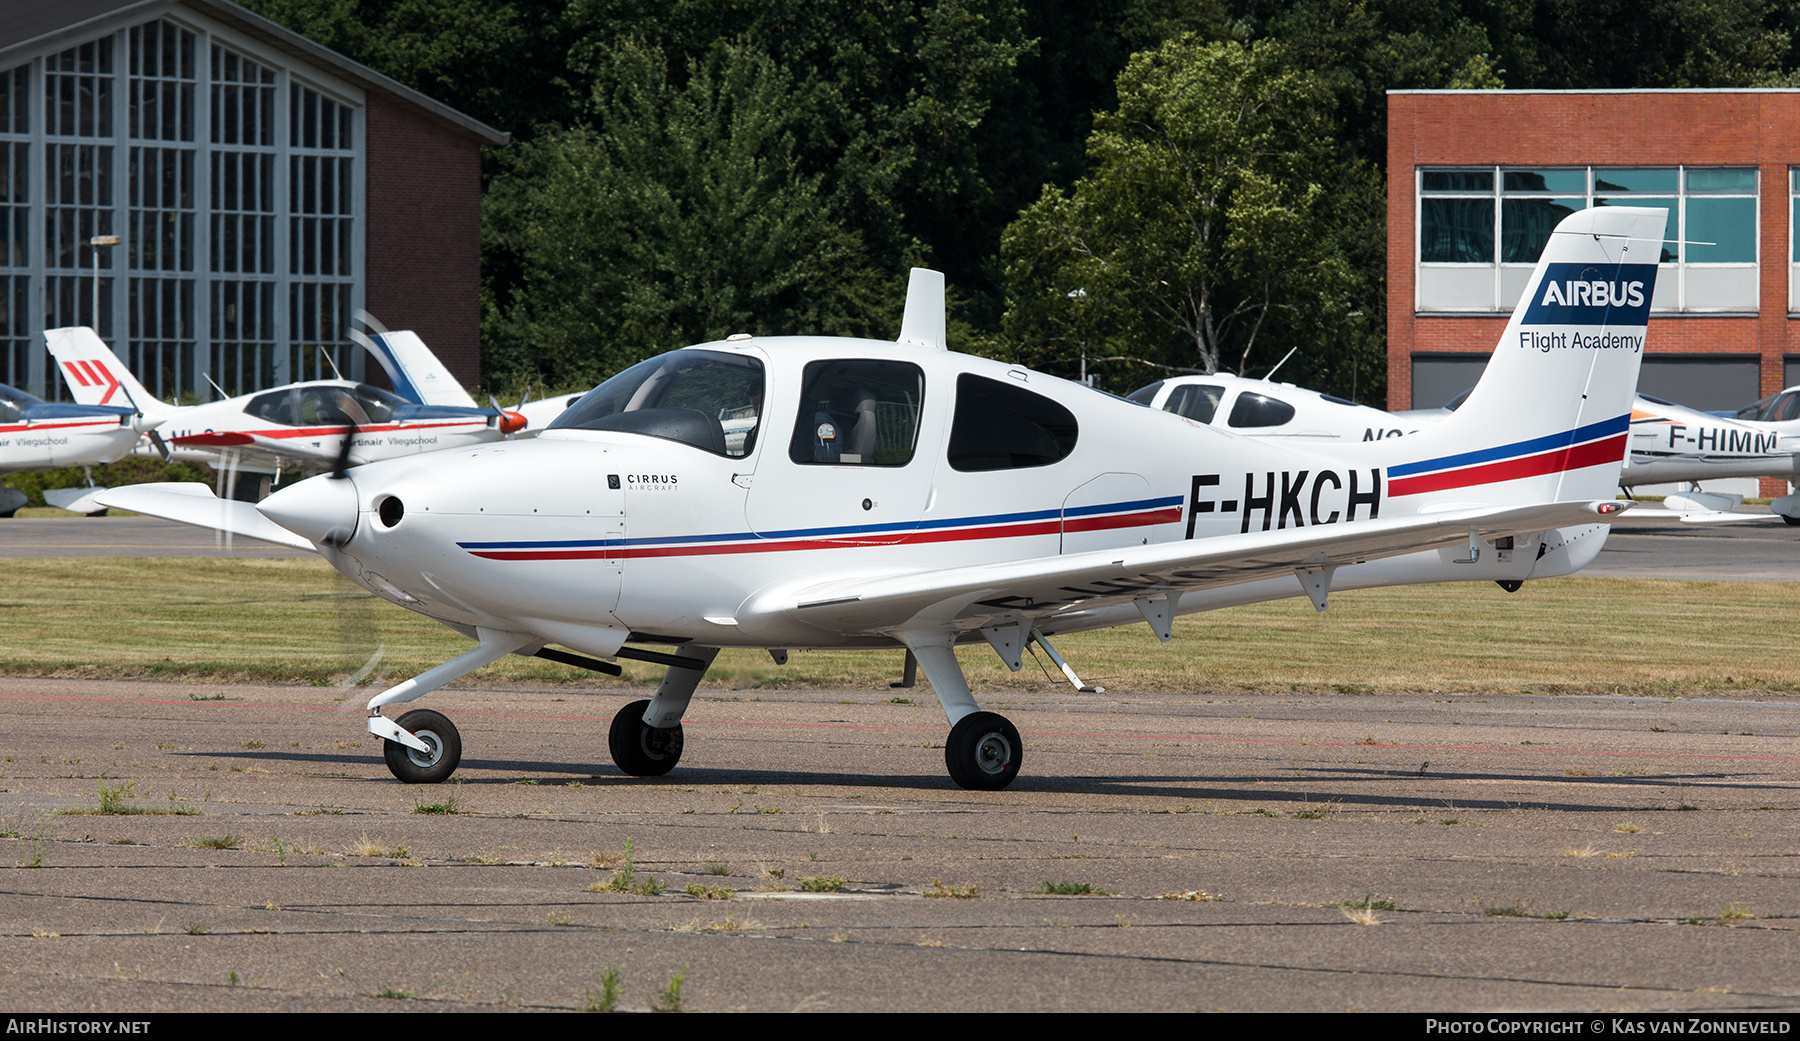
x: 900, y: 495
x: 301, y: 426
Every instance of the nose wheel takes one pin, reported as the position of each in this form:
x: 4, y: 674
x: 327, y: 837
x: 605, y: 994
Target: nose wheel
x: 640, y: 749
x: 416, y: 767
x: 983, y: 752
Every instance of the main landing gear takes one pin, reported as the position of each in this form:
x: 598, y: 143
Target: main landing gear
x: 640, y: 749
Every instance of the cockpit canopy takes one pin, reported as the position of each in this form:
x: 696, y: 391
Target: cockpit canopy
x: 322, y: 404
x: 710, y: 400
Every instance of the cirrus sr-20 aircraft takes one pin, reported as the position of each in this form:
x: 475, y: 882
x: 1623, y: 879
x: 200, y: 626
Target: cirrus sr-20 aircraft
x: 300, y: 426
x: 897, y: 494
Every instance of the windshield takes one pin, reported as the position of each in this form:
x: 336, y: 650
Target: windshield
x: 707, y: 399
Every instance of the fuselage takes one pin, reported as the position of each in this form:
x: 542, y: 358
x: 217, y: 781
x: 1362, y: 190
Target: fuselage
x: 303, y: 426
x: 39, y: 435
x: 864, y: 459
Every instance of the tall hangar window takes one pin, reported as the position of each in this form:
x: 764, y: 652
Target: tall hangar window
x: 233, y: 186
x: 1793, y: 259
x: 1481, y: 230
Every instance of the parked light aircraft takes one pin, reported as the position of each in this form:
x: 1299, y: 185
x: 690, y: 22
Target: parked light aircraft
x: 1672, y: 443
x: 1669, y: 443
x: 301, y: 426
x: 901, y: 495
x: 40, y: 435
x: 1264, y: 408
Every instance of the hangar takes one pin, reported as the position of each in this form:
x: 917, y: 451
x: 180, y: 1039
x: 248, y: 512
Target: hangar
x: 261, y: 189
x: 1476, y: 178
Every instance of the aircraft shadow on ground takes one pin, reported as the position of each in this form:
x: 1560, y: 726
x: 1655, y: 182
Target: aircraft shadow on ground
x: 1342, y: 785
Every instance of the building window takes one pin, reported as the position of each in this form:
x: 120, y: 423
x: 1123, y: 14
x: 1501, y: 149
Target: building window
x: 234, y: 189
x: 1481, y: 231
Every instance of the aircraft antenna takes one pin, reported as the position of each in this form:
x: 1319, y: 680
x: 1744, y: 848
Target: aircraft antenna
x: 1282, y: 362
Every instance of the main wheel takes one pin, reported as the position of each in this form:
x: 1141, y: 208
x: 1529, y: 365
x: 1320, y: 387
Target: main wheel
x: 640, y: 749
x: 1790, y: 520
x: 983, y: 752
x: 416, y: 767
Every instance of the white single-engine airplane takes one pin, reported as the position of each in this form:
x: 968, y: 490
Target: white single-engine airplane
x: 40, y: 435
x: 301, y: 426
x: 1669, y: 443
x: 900, y: 495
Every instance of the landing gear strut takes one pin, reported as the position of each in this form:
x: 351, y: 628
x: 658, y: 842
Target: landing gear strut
x: 438, y: 734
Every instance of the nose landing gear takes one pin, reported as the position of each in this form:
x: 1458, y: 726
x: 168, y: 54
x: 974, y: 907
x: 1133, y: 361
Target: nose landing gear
x: 439, y: 736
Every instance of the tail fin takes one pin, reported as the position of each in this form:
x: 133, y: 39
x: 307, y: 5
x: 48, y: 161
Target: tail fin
x: 96, y: 376
x: 416, y: 373
x: 1550, y: 418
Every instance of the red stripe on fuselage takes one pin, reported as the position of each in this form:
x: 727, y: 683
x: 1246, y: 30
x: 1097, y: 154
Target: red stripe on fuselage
x: 104, y: 423
x: 1575, y: 457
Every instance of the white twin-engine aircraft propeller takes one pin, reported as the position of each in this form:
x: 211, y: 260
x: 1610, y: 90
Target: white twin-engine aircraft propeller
x: 784, y: 492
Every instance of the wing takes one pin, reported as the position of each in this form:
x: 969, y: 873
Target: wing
x: 193, y: 503
x: 966, y: 598
x: 260, y: 452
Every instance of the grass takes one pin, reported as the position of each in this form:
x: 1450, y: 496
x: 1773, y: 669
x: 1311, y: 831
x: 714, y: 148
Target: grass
x: 605, y: 998
x: 1070, y: 889
x: 448, y: 806
x: 112, y: 801
x: 1369, y: 902
x: 298, y: 621
x: 710, y: 892
x: 822, y: 884
x: 627, y: 880
x: 218, y: 842
x: 952, y: 892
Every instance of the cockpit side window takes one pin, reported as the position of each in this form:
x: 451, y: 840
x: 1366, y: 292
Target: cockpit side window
x: 858, y: 412
x: 708, y: 400
x: 1196, y: 401
x: 1000, y: 426
x: 378, y: 404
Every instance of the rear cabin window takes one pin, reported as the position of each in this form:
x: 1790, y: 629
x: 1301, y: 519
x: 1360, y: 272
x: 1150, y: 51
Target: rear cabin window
x: 1002, y: 426
x: 858, y: 412
x: 1259, y: 410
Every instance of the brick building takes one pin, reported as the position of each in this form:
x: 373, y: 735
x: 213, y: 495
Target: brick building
x: 263, y: 189
x: 1476, y: 179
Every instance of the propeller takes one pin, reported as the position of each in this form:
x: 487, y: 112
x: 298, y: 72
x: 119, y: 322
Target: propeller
x: 514, y: 421
x: 358, y: 420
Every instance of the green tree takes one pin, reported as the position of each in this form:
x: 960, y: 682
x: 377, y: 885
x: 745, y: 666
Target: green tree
x: 680, y: 217
x: 502, y: 61
x: 1205, y: 229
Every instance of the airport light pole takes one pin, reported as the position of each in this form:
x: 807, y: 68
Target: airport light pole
x: 95, y: 243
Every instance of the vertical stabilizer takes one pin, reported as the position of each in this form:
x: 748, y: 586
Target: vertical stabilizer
x: 96, y: 376
x: 1550, y: 418
x: 923, y: 324
x: 416, y: 373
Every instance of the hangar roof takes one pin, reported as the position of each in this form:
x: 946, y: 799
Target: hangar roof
x: 30, y: 25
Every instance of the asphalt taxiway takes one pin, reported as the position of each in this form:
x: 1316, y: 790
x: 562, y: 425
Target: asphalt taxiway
x: 1160, y: 851
x: 1164, y: 852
